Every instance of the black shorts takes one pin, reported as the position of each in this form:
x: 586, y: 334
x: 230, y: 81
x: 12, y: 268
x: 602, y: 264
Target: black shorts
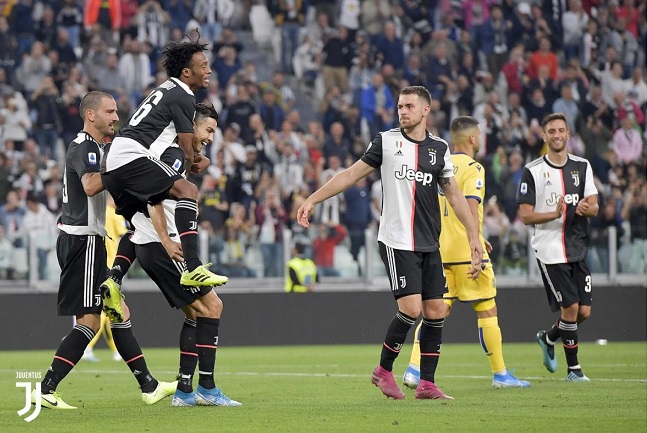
x: 141, y: 181
x: 166, y: 273
x: 566, y: 284
x: 83, y: 268
x: 413, y: 273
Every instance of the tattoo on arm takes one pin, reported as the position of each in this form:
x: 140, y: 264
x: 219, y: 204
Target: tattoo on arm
x: 443, y: 182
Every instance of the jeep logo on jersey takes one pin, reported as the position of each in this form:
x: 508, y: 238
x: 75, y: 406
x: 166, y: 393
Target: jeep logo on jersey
x: 418, y: 176
x: 568, y: 199
x: 432, y: 156
x: 576, y: 177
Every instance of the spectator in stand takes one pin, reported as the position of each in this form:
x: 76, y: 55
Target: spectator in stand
x: 240, y: 112
x: 290, y: 17
x: 590, y: 48
x: 206, y: 12
x: 70, y: 19
x: 612, y: 83
x: 52, y: 197
x: 239, y: 232
x: 247, y: 177
x: 307, y: 61
x: 390, y: 48
x: 17, y: 123
x: 22, y: 25
x: 323, y: 248
x: 439, y: 72
x: 495, y: 227
x: 634, y: 257
x: 597, y: 137
x: 377, y: 106
x: 596, y: 108
x: 228, y: 38
x: 349, y: 15
x: 336, y: 144
x: 39, y: 225
x: 637, y: 84
x: 288, y: 173
x: 152, y: 24
x: 576, y: 79
x: 105, y: 17
x: 284, y: 94
x: 134, y: 68
x: 627, y: 107
x: 627, y: 144
x: 598, y: 257
x: 338, y: 51
x: 574, y: 23
x: 493, y: 40
x: 626, y: 45
x: 45, y: 101
x: 109, y: 78
x: 6, y: 256
x: 357, y: 217
x: 5, y: 179
x: 11, y: 217
x: 271, y: 219
x: 567, y: 105
x: 513, y: 69
x: 271, y: 113
x: 33, y: 69
x: 373, y: 14
x: 225, y: 65
x: 543, y: 56
x: 548, y: 85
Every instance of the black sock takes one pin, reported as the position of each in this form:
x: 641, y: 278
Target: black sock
x: 130, y: 351
x: 431, y: 337
x: 396, y: 335
x: 188, y: 356
x: 553, y: 333
x: 186, y: 219
x: 568, y: 332
x: 69, y: 352
x: 124, y: 259
x: 206, y: 343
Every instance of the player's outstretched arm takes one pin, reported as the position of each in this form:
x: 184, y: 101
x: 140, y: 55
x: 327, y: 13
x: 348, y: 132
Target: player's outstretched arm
x: 462, y: 210
x: 340, y: 182
x: 530, y: 217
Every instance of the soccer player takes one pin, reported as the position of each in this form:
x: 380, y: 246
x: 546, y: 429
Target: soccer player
x: 133, y: 173
x: 413, y: 164
x: 81, y: 253
x: 557, y: 195
x: 161, y: 258
x: 470, y: 177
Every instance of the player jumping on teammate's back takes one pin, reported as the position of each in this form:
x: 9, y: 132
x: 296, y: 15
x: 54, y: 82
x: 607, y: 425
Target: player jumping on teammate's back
x: 470, y: 177
x: 557, y: 196
x: 413, y: 165
x: 133, y: 173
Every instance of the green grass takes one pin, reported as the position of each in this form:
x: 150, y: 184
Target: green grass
x: 327, y: 389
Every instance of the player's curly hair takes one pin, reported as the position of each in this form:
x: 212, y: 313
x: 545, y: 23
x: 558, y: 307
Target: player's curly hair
x: 179, y: 54
x: 204, y: 110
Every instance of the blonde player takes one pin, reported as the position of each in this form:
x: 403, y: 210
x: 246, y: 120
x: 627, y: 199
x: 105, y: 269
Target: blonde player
x: 470, y: 176
x: 116, y: 227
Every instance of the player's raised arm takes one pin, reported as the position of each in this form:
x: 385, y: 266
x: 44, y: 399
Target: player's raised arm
x: 340, y: 182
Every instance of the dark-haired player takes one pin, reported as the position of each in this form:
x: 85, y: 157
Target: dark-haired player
x: 413, y: 165
x: 133, y: 173
x: 557, y: 196
x: 160, y: 255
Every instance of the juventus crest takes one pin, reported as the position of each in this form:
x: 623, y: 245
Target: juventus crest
x: 432, y: 156
x: 576, y: 177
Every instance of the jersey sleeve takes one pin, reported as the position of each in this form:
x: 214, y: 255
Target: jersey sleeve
x: 373, y: 154
x: 183, y: 113
x: 448, y: 168
x: 86, y: 158
x: 589, y: 185
x: 526, y: 193
x: 474, y: 182
x: 174, y: 158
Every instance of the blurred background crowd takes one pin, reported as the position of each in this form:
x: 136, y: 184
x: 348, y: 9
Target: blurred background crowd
x: 302, y: 86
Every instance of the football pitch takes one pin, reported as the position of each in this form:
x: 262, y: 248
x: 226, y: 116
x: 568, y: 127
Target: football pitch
x: 328, y: 389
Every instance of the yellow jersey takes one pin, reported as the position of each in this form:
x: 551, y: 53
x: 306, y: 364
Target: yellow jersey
x: 470, y: 177
x: 116, y: 228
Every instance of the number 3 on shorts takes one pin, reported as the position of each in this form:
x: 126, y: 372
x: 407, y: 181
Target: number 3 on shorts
x: 587, y: 287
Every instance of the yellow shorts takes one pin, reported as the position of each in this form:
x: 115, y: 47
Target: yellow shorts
x: 464, y: 289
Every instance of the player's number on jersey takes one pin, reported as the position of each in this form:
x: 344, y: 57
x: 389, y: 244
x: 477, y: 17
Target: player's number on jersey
x: 587, y: 287
x: 153, y: 99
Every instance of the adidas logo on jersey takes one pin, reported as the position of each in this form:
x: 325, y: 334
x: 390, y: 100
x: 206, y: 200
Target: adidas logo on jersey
x: 410, y: 174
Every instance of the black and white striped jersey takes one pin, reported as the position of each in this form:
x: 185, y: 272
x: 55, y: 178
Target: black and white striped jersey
x: 410, y: 170
x: 563, y: 240
x: 154, y: 125
x: 82, y: 215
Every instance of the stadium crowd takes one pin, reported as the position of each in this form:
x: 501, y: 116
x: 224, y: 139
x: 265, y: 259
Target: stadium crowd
x: 507, y: 63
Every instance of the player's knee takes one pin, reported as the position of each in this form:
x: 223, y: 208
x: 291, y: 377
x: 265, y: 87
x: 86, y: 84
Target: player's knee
x: 126, y: 311
x: 583, y: 314
x: 185, y: 189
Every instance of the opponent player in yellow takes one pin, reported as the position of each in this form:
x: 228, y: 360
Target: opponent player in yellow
x: 470, y: 176
x: 116, y: 228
